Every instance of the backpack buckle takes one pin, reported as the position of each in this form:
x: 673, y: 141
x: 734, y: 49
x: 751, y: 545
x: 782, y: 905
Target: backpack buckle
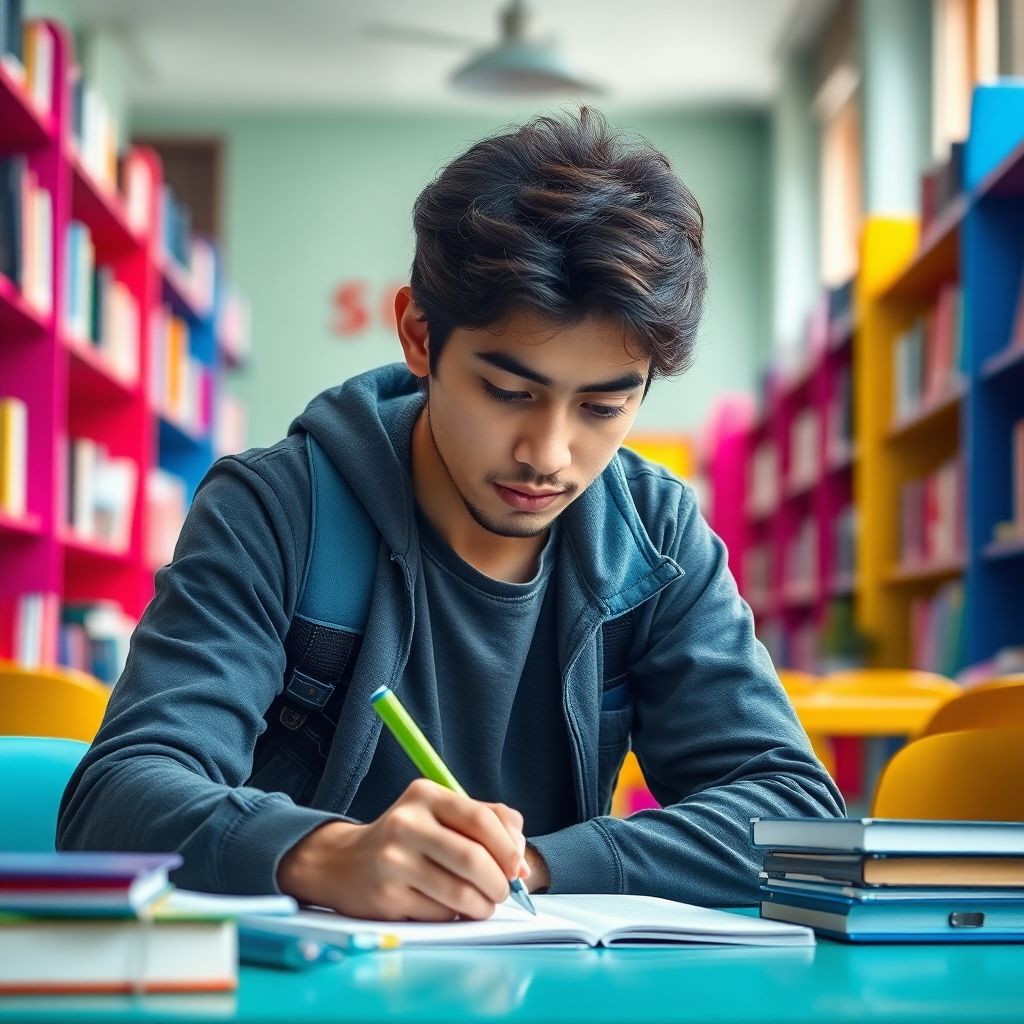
x: 292, y: 719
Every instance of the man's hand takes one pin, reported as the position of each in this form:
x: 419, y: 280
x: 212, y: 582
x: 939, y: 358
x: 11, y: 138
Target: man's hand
x: 432, y: 855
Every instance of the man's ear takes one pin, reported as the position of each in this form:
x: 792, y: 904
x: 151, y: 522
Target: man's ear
x: 413, y: 332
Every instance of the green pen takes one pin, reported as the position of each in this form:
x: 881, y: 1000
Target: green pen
x: 411, y: 739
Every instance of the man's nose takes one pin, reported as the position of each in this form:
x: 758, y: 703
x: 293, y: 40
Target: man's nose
x: 547, y: 447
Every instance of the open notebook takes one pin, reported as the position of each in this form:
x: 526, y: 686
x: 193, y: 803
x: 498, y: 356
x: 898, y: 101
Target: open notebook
x: 571, y: 920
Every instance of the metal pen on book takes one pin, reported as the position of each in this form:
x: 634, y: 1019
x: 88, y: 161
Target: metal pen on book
x: 411, y: 739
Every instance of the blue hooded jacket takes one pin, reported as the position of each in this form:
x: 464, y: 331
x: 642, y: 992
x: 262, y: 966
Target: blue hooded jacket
x: 714, y: 732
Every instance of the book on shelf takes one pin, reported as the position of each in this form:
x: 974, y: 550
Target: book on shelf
x: 839, y: 431
x: 99, y: 311
x: 803, y: 448
x: 36, y: 219
x: 12, y: 38
x: 166, y: 504
x: 932, y: 516
x: 180, y: 384
x: 844, y: 544
x: 38, y: 60
x: 940, y: 185
x: 13, y: 457
x: 1017, y: 476
x: 565, y: 920
x: 12, y: 218
x: 1017, y: 329
x: 936, y: 630
x: 928, y: 357
x: 804, y: 646
x: 757, y: 569
x: 137, y: 190
x: 801, y: 564
x: 95, y: 638
x: 232, y: 326
x: 101, y: 494
x: 764, y: 479
x: 229, y: 425
x: 34, y: 626
x: 95, y: 133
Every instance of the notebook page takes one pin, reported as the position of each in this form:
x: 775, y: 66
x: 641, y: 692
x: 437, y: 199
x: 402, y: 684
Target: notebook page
x: 510, y: 925
x: 623, y: 919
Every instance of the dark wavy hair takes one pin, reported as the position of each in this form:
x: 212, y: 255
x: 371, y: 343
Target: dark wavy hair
x: 561, y: 217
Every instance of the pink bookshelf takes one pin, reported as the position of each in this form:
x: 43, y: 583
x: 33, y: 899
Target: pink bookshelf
x: 71, y: 386
x: 781, y: 485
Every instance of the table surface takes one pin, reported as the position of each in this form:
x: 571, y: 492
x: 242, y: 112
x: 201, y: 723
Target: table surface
x: 849, y: 715
x: 831, y: 982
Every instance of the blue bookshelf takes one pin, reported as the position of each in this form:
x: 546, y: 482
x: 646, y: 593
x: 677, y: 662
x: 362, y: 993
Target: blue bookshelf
x: 992, y: 265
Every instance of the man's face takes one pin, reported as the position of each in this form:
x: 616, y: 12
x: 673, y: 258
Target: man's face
x: 527, y: 415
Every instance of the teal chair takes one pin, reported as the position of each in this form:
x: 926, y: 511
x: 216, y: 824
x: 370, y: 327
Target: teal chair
x: 33, y: 773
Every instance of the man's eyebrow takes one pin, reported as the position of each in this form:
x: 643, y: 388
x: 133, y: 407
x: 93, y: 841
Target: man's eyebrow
x: 502, y: 361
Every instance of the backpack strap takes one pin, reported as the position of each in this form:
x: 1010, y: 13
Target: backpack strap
x: 334, y: 602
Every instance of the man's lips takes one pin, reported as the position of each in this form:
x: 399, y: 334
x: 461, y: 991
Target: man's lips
x: 525, y: 501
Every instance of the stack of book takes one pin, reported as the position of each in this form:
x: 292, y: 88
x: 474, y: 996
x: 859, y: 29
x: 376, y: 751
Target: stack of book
x: 889, y: 880
x: 105, y: 922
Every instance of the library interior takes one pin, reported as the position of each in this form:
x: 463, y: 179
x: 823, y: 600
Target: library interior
x: 216, y: 214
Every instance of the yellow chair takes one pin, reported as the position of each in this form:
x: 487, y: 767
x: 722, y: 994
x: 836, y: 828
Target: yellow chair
x: 981, y: 707
x: 800, y: 684
x: 996, y: 682
x: 972, y: 775
x: 50, y: 701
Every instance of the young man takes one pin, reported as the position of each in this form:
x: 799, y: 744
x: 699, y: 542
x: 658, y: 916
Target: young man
x: 556, y: 273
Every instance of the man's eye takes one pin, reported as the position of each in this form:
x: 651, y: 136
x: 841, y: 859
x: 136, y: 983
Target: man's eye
x: 500, y: 395
x: 606, y: 412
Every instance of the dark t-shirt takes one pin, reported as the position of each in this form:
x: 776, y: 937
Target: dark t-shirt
x: 494, y: 647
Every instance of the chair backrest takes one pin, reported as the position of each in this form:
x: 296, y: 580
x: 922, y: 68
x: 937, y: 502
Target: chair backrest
x: 50, y: 701
x: 987, y: 707
x: 888, y: 682
x: 34, y: 770
x: 995, y: 682
x: 795, y: 682
x: 972, y: 775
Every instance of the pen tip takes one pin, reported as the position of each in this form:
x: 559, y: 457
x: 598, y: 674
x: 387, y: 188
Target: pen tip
x: 521, y: 896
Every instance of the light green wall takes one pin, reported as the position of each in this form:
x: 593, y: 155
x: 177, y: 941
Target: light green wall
x: 315, y: 200
x: 896, y: 61
x: 795, y: 139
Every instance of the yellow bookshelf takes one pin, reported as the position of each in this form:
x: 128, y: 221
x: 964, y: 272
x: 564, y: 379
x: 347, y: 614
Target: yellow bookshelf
x: 899, y: 277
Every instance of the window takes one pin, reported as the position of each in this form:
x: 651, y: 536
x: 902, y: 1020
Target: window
x: 965, y: 52
x: 837, y: 106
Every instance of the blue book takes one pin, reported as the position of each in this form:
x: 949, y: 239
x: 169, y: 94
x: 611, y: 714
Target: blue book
x: 83, y: 884
x: 935, y: 920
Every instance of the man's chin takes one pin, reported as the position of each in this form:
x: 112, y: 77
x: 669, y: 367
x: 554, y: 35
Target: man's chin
x: 511, y: 524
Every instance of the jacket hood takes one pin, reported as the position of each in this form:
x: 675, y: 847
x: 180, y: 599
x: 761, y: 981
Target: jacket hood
x: 365, y: 427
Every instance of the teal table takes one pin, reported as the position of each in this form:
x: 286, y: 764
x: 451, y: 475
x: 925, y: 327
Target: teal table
x: 830, y: 983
